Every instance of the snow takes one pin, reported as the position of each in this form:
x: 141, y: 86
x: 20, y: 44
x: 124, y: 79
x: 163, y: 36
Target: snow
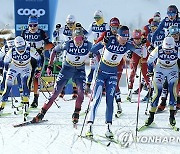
x: 58, y: 135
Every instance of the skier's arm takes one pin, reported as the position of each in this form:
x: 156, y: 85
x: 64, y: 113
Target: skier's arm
x: 57, y: 49
x: 160, y: 27
x: 102, y: 36
x: 151, y: 59
x: 95, y: 48
x: 36, y: 56
x: 89, y: 32
x: 48, y: 45
x: 2, y: 54
x: 7, y: 59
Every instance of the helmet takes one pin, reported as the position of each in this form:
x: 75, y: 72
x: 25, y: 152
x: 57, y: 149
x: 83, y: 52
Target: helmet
x: 70, y: 19
x: 173, y: 30
x: 172, y: 11
x: 78, y: 25
x: 172, y: 8
x: 58, y: 25
x: 98, y: 14
x: 19, y: 43
x: 136, y: 34
x: 157, y: 14
x: 114, y: 22
x: 168, y: 43
x: 33, y: 20
x: 78, y: 32
x: 123, y: 31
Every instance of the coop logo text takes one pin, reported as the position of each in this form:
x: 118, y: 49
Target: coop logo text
x: 33, y: 12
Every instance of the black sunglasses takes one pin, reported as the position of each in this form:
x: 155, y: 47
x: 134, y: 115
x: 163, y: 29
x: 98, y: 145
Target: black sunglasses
x: 33, y: 25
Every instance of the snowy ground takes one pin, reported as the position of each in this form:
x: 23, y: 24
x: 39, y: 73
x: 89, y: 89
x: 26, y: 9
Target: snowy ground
x: 57, y: 136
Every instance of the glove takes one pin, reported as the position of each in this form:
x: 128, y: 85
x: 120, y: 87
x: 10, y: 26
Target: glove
x: 129, y: 54
x: 37, y: 74
x: 1, y: 71
x: 49, y: 70
x: 40, y: 50
x: 151, y: 48
x: 143, y: 41
x: 149, y: 74
x: 91, y: 55
x: 106, y: 39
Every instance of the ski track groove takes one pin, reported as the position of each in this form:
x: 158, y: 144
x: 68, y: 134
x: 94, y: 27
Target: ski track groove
x: 53, y: 138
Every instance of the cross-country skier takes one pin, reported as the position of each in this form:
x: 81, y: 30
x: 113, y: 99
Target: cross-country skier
x: 139, y: 56
x: 9, y: 44
x: 77, y: 51
x: 171, y: 19
x: 174, y: 32
x: 66, y: 31
x: 96, y: 29
x: 114, y: 26
x: 166, y: 67
x: 114, y: 50
x: 18, y: 60
x: 37, y: 39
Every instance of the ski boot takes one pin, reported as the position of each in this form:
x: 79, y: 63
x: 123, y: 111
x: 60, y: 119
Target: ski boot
x: 162, y: 106
x: 89, y: 132
x: 61, y: 95
x: 118, y: 101
x: 137, y: 90
x: 172, y: 120
x: 150, y: 119
x: 129, y: 95
x: 109, y: 133
x: 40, y: 116
x: 75, y: 116
x: 119, y: 110
x: 88, y: 89
x: 35, y: 101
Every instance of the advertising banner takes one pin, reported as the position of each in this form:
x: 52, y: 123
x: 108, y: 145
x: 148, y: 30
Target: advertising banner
x: 44, y: 9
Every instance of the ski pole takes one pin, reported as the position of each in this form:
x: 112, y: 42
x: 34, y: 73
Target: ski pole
x: 58, y: 106
x: 126, y: 74
x: 138, y: 104
x: 90, y: 99
x: 87, y: 110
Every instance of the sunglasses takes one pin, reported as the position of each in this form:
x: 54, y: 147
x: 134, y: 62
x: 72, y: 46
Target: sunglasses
x: 22, y: 48
x: 171, y: 14
x: 70, y: 24
x: 123, y: 37
x: 33, y: 25
x: 97, y: 17
x: 78, y: 38
x: 114, y: 28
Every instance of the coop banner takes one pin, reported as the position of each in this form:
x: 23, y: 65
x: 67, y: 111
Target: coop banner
x: 44, y: 9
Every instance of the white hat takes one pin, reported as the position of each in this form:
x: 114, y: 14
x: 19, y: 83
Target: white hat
x: 98, y: 13
x: 70, y: 19
x: 168, y: 43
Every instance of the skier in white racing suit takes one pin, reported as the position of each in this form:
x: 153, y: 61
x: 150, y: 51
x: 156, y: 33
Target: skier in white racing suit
x: 166, y: 67
x: 18, y: 61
